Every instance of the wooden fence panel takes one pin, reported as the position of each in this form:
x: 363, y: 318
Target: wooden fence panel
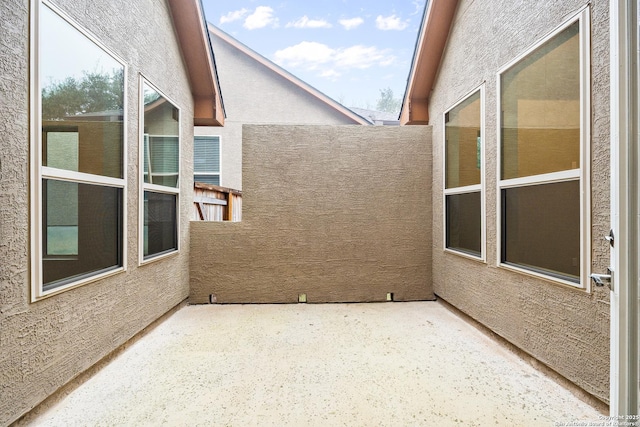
x: 215, y: 203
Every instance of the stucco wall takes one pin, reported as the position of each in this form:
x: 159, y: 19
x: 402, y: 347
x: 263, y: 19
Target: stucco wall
x: 340, y: 213
x: 565, y: 328
x: 230, y: 151
x: 255, y: 94
x: 44, y: 345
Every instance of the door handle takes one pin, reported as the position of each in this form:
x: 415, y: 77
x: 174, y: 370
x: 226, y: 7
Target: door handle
x: 610, y: 238
x: 603, y: 279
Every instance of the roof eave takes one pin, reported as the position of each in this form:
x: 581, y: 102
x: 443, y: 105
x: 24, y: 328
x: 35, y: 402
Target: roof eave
x: 191, y: 30
x: 432, y: 39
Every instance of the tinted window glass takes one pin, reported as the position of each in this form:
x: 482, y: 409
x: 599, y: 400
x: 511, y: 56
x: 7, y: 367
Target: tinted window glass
x: 82, y: 91
x: 83, y: 225
x: 463, y: 143
x: 464, y: 222
x: 541, y: 228
x: 160, y: 225
x: 540, y: 103
x: 161, y: 140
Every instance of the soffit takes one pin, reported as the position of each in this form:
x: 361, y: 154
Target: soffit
x: 430, y: 46
x: 191, y: 30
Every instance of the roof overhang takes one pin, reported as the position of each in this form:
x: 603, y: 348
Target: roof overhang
x: 432, y: 39
x: 193, y: 37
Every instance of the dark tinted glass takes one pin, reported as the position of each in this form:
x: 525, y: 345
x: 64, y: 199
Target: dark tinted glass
x: 82, y: 226
x: 464, y: 223
x: 541, y: 228
x: 160, y: 226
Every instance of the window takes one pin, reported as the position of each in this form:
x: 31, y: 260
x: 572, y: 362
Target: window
x: 206, y: 159
x: 77, y: 156
x: 463, y: 202
x: 160, y: 171
x: 544, y: 157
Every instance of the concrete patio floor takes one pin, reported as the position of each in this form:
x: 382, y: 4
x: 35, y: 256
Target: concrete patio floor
x: 393, y: 364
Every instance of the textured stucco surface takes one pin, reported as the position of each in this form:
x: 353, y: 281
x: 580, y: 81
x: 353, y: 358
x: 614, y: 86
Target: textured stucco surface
x: 255, y: 94
x: 46, y: 344
x: 567, y: 329
x: 340, y: 213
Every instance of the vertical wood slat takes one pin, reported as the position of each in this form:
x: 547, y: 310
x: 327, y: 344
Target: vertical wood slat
x: 228, y: 212
x: 203, y: 211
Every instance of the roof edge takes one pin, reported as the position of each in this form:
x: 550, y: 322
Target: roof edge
x: 190, y: 26
x: 437, y: 21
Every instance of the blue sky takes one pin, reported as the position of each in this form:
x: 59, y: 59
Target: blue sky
x: 348, y: 49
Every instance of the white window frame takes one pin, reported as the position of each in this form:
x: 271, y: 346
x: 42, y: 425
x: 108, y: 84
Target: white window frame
x: 582, y: 173
x: 155, y: 187
x: 219, y: 173
x: 469, y: 188
x: 38, y: 172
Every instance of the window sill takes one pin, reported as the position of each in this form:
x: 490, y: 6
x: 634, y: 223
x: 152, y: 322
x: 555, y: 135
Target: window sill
x: 158, y: 257
x: 36, y: 296
x: 545, y: 277
x: 462, y: 254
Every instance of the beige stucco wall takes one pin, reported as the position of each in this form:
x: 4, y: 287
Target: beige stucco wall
x: 255, y: 94
x: 565, y: 328
x: 44, y: 345
x: 340, y: 213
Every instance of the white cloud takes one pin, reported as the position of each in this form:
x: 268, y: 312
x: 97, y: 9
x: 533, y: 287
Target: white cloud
x: 305, y: 22
x: 419, y: 4
x: 308, y: 55
x: 362, y: 57
x: 331, y: 62
x: 260, y: 18
x: 390, y: 23
x: 350, y: 24
x: 330, y: 74
x: 233, y: 16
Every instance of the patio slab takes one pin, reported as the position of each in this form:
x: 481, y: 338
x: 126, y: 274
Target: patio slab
x: 385, y: 364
